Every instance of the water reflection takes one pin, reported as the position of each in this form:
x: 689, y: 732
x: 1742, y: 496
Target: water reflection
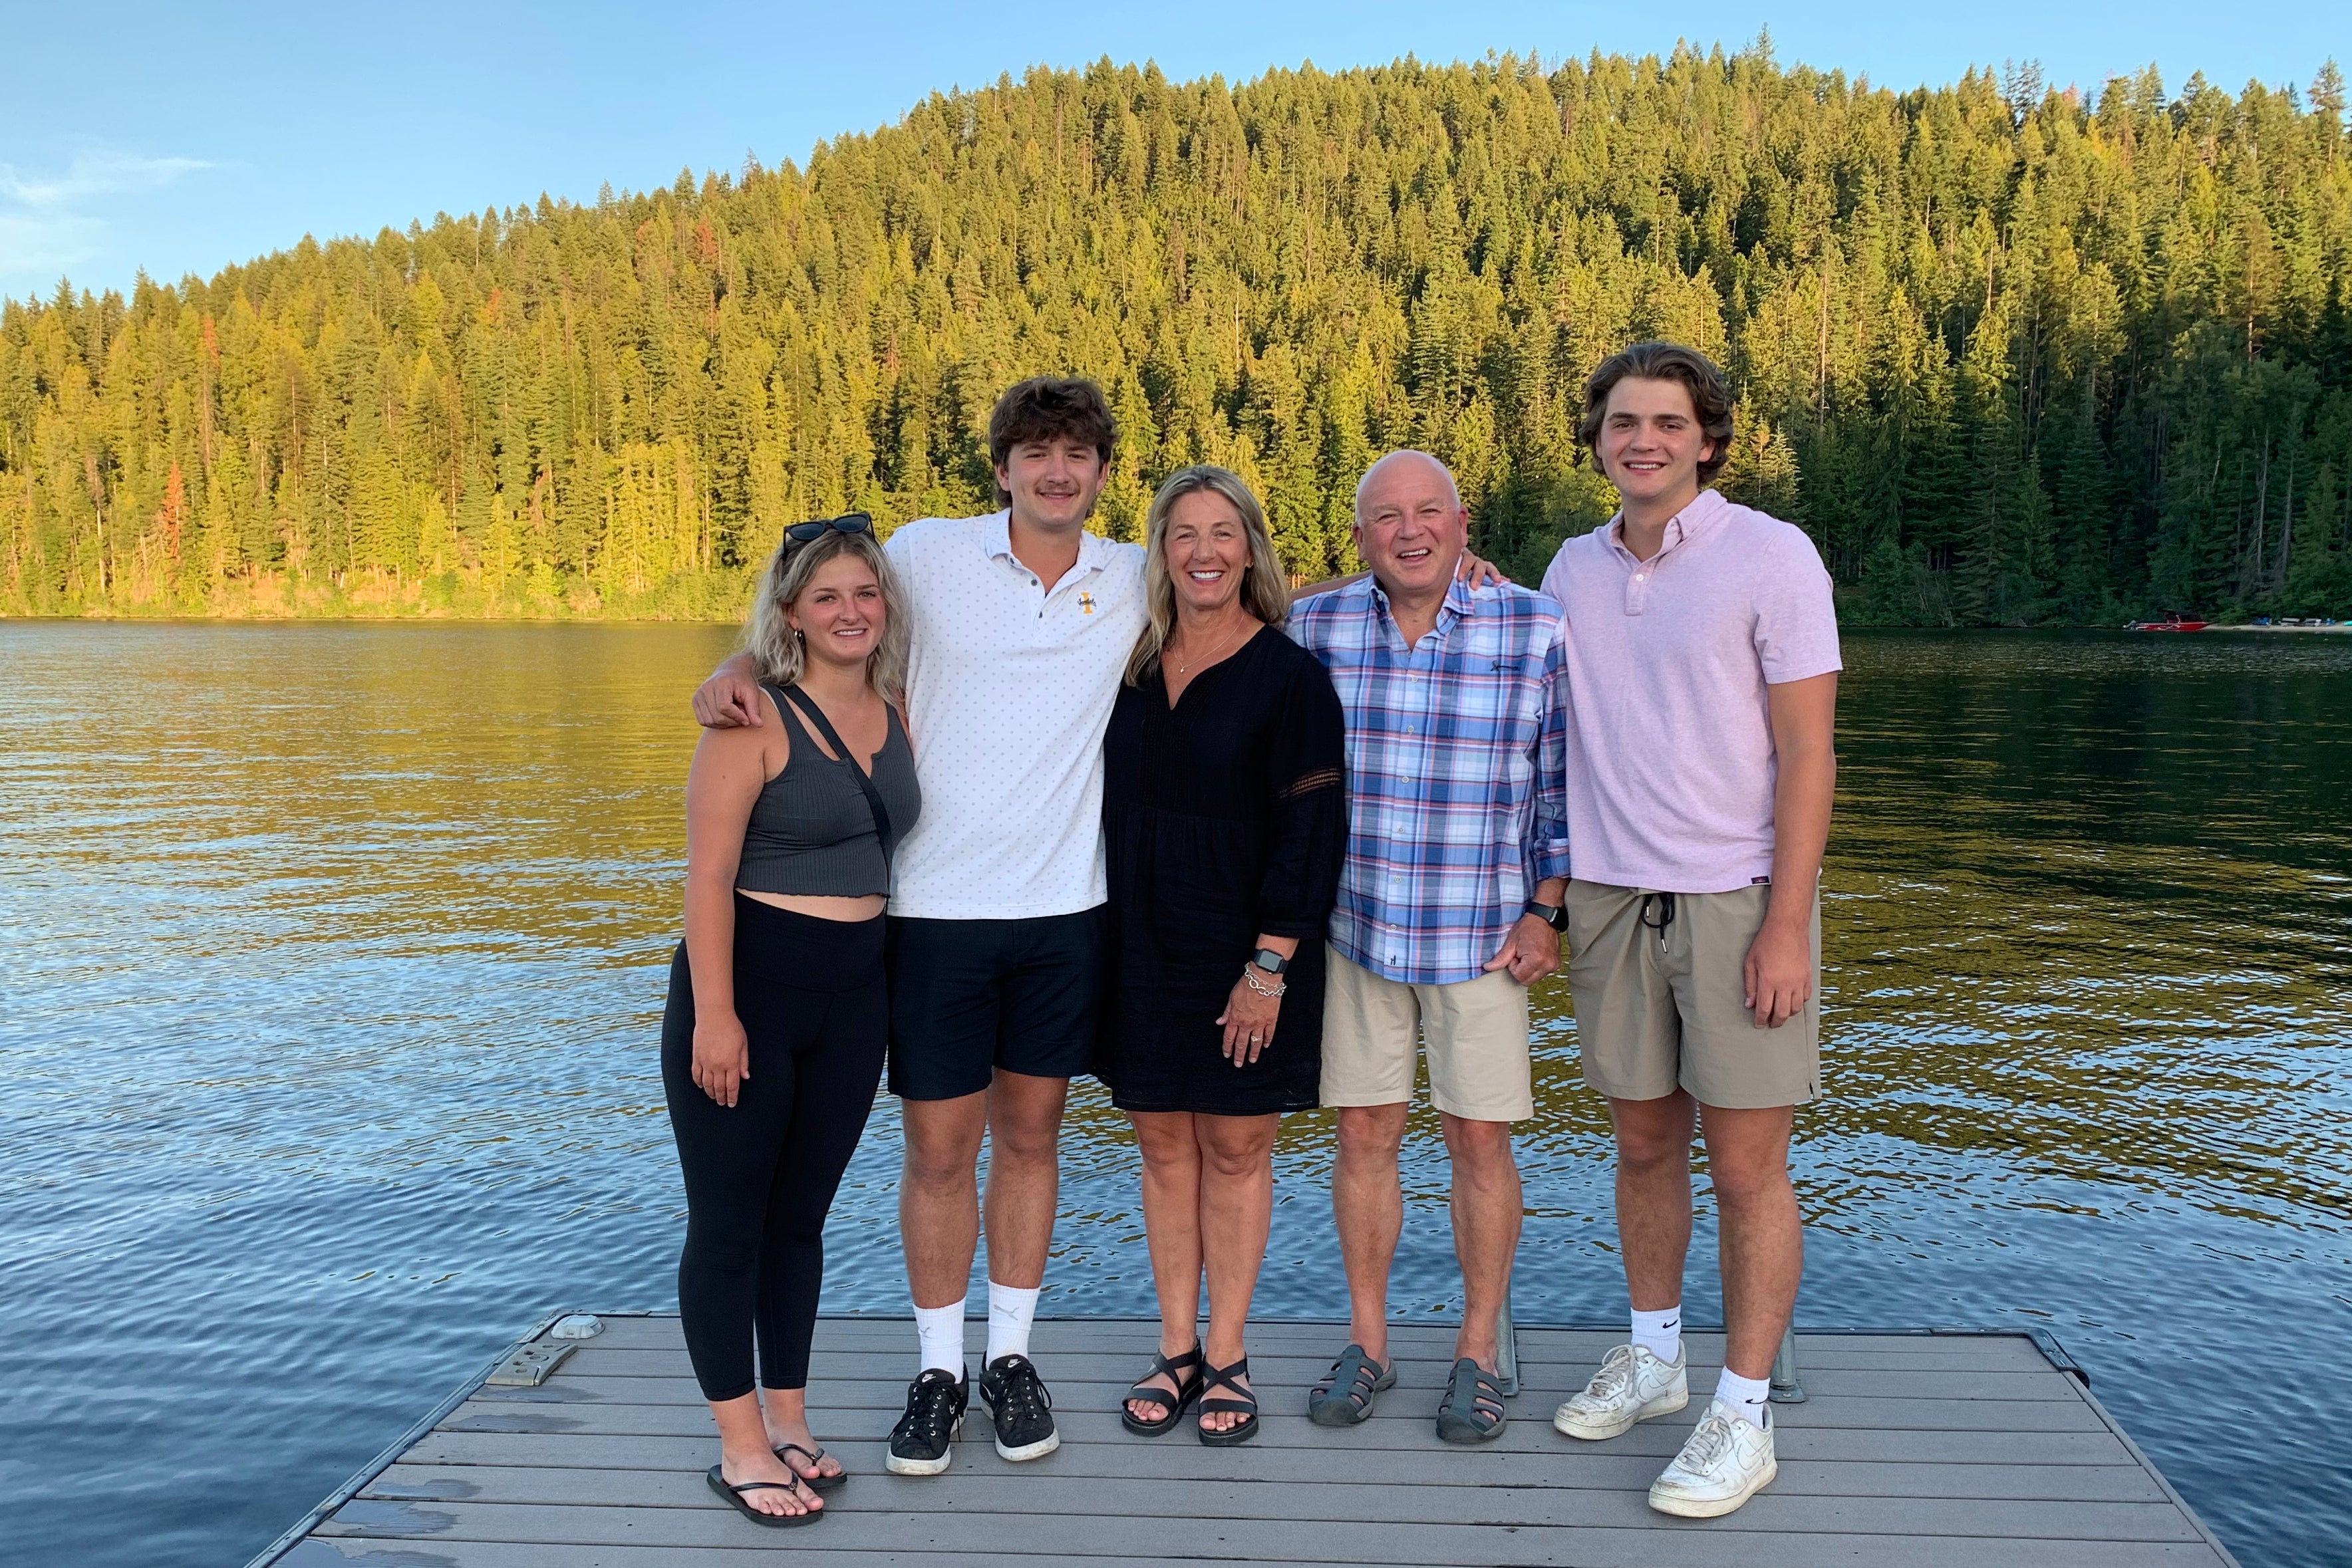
x: 333, y: 960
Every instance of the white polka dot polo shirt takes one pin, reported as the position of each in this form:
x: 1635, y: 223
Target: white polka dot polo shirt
x: 1009, y: 691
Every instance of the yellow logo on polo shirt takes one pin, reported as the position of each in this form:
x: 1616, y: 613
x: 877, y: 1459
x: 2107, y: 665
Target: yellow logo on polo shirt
x: 1087, y: 603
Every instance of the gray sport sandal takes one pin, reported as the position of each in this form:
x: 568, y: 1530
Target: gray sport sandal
x: 1464, y: 1417
x: 1347, y: 1392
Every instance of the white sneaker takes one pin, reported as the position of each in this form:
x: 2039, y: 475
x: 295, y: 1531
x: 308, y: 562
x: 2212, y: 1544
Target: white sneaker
x: 1631, y: 1386
x: 1728, y: 1460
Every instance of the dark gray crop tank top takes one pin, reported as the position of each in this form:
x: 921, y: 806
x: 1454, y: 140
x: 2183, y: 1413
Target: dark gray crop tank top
x: 811, y: 830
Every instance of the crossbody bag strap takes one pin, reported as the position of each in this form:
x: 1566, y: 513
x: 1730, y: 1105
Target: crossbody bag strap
x: 815, y: 716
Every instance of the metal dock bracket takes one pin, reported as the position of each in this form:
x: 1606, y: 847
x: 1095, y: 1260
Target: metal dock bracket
x: 1507, y: 1346
x: 1786, y: 1388
x: 530, y: 1364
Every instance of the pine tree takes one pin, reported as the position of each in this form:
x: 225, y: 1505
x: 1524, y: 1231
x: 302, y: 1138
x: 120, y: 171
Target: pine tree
x: 2001, y: 350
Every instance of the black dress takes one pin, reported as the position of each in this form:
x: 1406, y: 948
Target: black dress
x: 1221, y: 819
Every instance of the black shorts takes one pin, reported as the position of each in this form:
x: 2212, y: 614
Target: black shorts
x: 969, y: 996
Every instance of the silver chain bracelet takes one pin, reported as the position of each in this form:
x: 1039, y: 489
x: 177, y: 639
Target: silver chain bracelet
x: 1250, y: 974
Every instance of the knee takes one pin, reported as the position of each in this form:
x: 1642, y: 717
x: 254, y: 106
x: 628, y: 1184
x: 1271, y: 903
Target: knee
x: 1741, y: 1184
x: 1481, y: 1149
x: 1165, y: 1147
x: 934, y: 1162
x: 1022, y: 1144
x: 1370, y: 1132
x: 1236, y: 1157
x: 716, y: 1250
x: 1646, y: 1149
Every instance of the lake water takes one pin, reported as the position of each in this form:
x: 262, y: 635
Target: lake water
x: 333, y: 961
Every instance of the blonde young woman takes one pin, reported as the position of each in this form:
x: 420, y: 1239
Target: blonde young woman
x: 1225, y: 827
x: 774, y: 1041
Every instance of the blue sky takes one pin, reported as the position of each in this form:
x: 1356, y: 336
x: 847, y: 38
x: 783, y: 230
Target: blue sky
x: 179, y: 139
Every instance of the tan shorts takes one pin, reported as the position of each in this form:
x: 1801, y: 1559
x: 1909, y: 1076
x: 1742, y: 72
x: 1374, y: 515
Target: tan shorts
x: 1477, y: 1031
x: 1657, y: 1009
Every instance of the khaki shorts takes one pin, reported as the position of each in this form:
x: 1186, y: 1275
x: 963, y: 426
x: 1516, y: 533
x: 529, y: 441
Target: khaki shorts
x: 1477, y: 1031
x: 1656, y: 1010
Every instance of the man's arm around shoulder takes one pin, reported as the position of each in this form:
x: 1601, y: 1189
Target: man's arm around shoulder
x: 729, y: 699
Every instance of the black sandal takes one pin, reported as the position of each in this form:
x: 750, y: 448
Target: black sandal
x: 814, y: 1482
x: 1177, y: 1399
x: 1245, y: 1407
x: 1463, y: 1417
x: 1347, y: 1392
x: 734, y: 1494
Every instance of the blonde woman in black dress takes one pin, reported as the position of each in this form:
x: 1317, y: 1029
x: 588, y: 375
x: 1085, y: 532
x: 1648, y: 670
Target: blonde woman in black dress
x: 1224, y: 825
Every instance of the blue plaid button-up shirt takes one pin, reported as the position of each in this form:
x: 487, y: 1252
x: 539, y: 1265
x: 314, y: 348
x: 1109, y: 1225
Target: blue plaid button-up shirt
x: 1457, y: 773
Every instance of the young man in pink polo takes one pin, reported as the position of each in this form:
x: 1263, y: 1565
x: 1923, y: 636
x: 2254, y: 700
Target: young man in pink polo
x: 1702, y: 663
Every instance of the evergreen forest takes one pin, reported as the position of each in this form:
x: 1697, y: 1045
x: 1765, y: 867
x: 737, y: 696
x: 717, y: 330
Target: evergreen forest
x: 2014, y: 355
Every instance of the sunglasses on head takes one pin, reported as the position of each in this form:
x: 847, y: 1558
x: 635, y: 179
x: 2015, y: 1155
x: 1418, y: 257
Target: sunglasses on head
x: 847, y: 523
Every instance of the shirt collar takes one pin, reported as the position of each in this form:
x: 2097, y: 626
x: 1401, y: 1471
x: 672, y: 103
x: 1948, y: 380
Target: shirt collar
x: 998, y: 542
x: 1693, y: 521
x: 1458, y: 602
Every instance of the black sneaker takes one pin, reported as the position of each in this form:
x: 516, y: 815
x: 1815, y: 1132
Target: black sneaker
x: 920, y: 1442
x: 1017, y: 1396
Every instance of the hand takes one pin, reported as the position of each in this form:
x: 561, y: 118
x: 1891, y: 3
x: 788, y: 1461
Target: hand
x: 1530, y: 952
x: 729, y: 699
x: 722, y: 1058
x: 1479, y: 572
x: 1779, y: 975
x: 1249, y: 1019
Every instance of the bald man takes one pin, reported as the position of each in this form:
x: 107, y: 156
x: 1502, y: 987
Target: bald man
x: 1449, y: 906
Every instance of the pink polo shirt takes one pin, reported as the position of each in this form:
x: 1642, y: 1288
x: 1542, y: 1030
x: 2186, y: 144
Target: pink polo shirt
x: 1670, y: 759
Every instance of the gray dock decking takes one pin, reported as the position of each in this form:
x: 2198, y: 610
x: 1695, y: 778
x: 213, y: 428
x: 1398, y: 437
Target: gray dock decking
x: 1913, y: 1450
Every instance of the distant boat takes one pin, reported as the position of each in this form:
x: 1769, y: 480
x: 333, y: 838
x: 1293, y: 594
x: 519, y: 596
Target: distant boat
x: 2173, y: 622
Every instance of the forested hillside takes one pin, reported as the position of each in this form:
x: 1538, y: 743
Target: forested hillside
x: 2013, y: 356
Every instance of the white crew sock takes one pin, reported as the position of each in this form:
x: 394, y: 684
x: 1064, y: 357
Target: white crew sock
x: 1010, y: 1311
x: 1745, y: 1394
x: 941, y: 1330
x: 1660, y: 1334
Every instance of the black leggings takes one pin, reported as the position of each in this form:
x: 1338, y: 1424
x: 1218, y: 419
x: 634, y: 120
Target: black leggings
x: 761, y: 1176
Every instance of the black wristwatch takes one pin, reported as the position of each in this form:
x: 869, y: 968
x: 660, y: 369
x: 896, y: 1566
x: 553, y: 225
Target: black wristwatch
x: 1552, y: 915
x: 1272, y: 962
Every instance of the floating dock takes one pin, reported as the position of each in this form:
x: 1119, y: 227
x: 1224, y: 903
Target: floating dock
x: 1924, y: 1449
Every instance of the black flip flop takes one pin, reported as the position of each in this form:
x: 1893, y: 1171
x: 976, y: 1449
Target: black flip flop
x: 1177, y: 1400
x: 814, y: 1483
x: 1245, y: 1407
x: 1348, y: 1391
x: 734, y: 1495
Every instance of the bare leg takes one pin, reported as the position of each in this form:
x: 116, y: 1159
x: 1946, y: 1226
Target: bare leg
x: 1653, y: 1196
x: 1025, y: 1175
x: 1368, y: 1204
x: 1488, y: 1208
x: 1236, y: 1211
x: 786, y: 1414
x: 1763, y: 1246
x: 1172, y: 1228
x: 744, y: 1456
x: 939, y: 1195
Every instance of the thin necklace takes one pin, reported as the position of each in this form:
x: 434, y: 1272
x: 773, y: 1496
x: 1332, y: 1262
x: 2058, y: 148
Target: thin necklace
x: 1183, y: 668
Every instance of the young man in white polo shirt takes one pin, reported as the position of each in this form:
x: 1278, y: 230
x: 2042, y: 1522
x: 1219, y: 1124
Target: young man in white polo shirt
x: 1022, y: 622
x: 1702, y: 658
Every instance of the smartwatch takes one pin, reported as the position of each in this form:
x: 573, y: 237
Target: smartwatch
x: 1272, y: 962
x: 1552, y: 915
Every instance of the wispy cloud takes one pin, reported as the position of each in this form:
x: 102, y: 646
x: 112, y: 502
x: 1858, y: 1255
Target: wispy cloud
x: 52, y: 220
x: 99, y: 174
x: 34, y: 249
